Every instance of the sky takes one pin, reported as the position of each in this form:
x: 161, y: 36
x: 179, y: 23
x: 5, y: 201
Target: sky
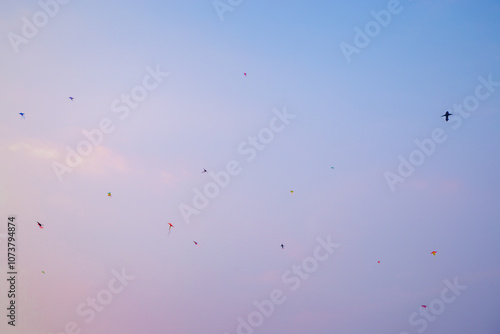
x: 319, y: 124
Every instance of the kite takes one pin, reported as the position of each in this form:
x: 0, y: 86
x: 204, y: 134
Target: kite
x: 291, y: 191
x: 43, y: 271
x: 40, y: 225
x: 424, y: 306
x: 22, y: 115
x: 433, y: 253
x: 169, y: 229
x: 447, y: 115
x: 195, y: 243
x: 204, y: 171
x: 332, y: 167
x: 245, y: 74
x: 71, y: 98
x: 109, y: 194
x: 282, y: 246
x: 378, y: 261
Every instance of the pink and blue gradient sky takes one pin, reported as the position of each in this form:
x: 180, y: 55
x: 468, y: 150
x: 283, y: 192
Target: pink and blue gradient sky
x: 358, y: 117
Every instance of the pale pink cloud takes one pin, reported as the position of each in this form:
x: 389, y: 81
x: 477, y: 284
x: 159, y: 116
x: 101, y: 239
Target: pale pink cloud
x: 34, y: 148
x: 270, y: 276
x: 104, y: 160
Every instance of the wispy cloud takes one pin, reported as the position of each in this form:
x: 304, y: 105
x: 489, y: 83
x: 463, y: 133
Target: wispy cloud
x: 34, y: 148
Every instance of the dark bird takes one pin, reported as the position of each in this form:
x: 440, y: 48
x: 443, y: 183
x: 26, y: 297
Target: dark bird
x: 204, y: 171
x: 447, y: 115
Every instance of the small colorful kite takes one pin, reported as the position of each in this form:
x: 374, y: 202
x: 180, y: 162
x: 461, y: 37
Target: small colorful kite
x: 424, y: 306
x: 282, y: 246
x: 170, y: 226
x: 71, y: 98
x: 43, y: 271
x: 22, y: 115
x: 40, y: 225
x: 433, y: 253
x: 245, y: 74
x: 109, y: 194
x: 378, y: 261
x: 204, y: 171
x: 195, y: 243
x: 291, y: 191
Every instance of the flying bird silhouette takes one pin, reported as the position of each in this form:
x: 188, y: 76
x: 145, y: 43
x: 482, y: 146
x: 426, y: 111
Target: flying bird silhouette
x: 447, y: 115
